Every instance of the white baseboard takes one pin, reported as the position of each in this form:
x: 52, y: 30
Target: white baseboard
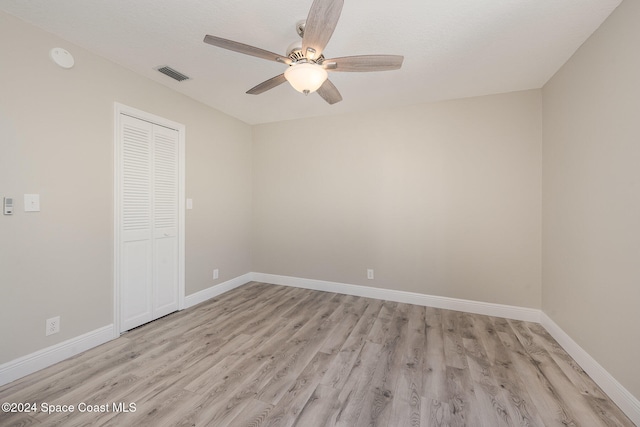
x: 41, y: 359
x: 621, y: 396
x: 489, y: 309
x: 629, y: 404
x: 214, y: 291
x: 25, y: 365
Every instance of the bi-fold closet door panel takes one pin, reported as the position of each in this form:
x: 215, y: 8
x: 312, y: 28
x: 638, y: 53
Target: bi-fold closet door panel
x: 149, y: 221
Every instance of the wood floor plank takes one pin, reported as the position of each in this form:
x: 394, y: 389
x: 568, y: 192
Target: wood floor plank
x: 33, y: 382
x: 208, y: 410
x: 434, y: 371
x: 266, y: 355
x: 254, y: 370
x: 319, y: 407
x: 350, y: 317
x: 58, y: 385
x: 453, y: 348
x: 301, y: 348
x: 461, y: 399
x: 18, y: 420
x: 571, y: 369
x: 491, y: 405
x: 307, y: 300
x: 521, y: 408
x: 561, y: 384
x: 255, y: 355
x: 211, y: 317
x: 253, y: 415
x: 551, y: 409
x: 406, y: 403
x: 342, y: 364
x: 380, y: 327
x: 353, y: 394
x: 377, y: 406
x: 292, y: 402
x: 609, y: 413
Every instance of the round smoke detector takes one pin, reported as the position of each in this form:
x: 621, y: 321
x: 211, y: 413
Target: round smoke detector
x: 62, y: 57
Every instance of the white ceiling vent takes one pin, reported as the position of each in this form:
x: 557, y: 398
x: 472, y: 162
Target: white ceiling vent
x: 176, y: 75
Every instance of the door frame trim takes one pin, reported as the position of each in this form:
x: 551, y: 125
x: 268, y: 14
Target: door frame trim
x: 121, y: 109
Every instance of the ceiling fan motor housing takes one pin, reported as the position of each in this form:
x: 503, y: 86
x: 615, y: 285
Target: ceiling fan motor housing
x: 294, y: 52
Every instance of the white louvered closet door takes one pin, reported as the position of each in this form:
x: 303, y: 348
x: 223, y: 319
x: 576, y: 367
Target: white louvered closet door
x: 149, y: 222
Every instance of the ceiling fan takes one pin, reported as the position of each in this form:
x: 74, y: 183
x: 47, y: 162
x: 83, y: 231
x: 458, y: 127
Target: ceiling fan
x: 307, y: 71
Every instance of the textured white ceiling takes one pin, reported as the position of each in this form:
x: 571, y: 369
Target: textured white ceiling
x: 452, y: 48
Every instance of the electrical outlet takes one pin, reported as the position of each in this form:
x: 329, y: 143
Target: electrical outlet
x: 215, y: 273
x: 370, y: 274
x: 53, y: 326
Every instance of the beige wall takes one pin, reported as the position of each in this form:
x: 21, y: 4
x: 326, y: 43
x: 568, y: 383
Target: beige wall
x: 591, y: 189
x: 441, y: 199
x: 56, y: 139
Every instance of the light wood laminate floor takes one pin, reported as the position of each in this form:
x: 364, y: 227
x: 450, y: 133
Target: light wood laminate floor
x: 266, y: 355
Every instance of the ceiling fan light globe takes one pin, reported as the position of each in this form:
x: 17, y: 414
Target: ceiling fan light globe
x: 306, y: 77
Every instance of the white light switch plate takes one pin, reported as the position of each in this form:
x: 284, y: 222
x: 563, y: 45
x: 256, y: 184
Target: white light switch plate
x: 189, y: 203
x: 32, y: 203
